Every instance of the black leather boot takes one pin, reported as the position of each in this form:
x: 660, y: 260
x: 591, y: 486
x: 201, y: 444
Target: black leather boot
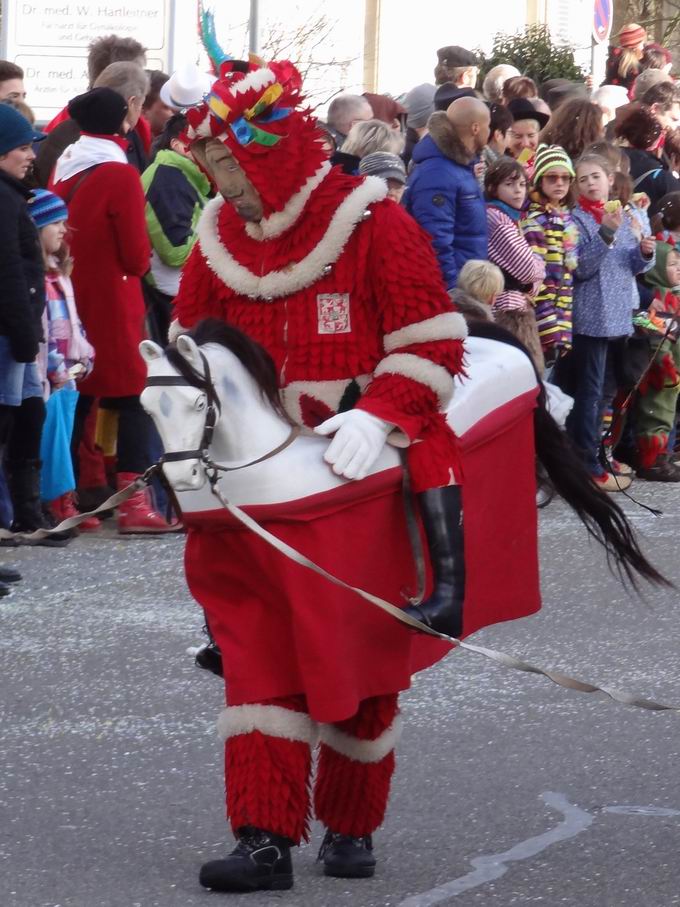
x: 345, y: 857
x: 442, y: 513
x: 23, y: 479
x: 260, y: 861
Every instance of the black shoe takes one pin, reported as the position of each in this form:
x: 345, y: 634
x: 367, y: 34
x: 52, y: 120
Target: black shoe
x: 345, y: 857
x: 9, y: 575
x: 442, y: 514
x: 23, y: 479
x: 4, y: 590
x: 663, y: 470
x: 209, y: 657
x: 260, y: 861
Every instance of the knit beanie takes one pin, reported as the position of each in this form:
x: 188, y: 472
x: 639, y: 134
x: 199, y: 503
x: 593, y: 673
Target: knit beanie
x: 383, y: 164
x: 15, y: 130
x: 419, y: 103
x: 100, y: 111
x: 46, y: 208
x: 631, y: 35
x: 547, y: 158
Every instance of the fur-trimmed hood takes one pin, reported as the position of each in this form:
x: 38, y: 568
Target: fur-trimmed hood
x: 445, y: 137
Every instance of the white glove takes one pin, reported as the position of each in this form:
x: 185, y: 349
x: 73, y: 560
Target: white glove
x: 175, y: 330
x: 358, y: 442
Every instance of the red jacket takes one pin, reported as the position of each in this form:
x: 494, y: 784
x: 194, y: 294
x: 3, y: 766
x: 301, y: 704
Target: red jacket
x: 111, y: 252
x: 349, y: 302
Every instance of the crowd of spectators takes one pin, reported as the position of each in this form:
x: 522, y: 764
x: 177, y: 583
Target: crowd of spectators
x: 552, y: 208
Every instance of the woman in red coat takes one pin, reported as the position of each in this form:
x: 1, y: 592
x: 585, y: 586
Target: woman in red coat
x: 111, y: 253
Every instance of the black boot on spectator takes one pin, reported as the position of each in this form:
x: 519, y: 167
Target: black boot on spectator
x: 23, y: 479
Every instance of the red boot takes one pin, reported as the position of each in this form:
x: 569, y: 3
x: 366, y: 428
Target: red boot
x: 65, y: 507
x: 138, y: 514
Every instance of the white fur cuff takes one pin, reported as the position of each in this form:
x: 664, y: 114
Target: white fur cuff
x: 271, y: 720
x: 434, y: 376
x: 361, y: 750
x: 447, y: 326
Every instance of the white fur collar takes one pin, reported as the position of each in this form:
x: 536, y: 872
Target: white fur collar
x: 301, y: 274
x: 278, y: 223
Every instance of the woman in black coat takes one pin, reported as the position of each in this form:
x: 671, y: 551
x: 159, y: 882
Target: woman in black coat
x: 22, y: 300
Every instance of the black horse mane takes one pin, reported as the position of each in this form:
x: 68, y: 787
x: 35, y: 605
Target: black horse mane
x: 256, y: 360
x: 600, y: 514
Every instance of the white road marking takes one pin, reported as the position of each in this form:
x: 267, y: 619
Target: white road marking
x: 659, y: 811
x: 493, y: 866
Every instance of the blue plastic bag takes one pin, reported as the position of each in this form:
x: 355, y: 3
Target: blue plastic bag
x: 57, y: 477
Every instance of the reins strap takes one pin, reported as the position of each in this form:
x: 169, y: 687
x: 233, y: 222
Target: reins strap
x: 294, y: 433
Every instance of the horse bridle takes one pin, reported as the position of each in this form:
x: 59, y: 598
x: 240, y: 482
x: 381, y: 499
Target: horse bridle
x: 204, y: 382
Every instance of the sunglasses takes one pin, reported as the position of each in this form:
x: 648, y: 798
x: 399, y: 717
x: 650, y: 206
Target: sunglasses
x: 557, y: 178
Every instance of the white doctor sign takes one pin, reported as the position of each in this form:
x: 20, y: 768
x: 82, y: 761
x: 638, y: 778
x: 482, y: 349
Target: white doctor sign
x: 50, y: 41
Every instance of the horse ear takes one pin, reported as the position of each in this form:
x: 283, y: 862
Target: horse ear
x: 189, y: 350
x: 150, y: 351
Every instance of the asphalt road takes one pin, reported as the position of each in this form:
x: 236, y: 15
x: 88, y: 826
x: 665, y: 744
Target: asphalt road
x: 509, y: 789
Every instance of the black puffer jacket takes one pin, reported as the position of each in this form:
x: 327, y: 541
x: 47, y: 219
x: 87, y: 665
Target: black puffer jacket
x: 22, y: 274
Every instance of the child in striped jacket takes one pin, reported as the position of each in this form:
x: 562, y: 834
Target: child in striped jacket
x: 523, y: 270
x: 549, y: 229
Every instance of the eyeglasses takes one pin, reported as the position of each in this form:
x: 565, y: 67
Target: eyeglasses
x: 557, y: 178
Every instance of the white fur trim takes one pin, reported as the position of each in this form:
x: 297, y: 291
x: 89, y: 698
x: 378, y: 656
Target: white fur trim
x: 280, y: 221
x: 271, y: 720
x: 448, y: 326
x: 361, y: 750
x: 301, y: 274
x: 256, y: 79
x: 328, y: 392
x: 434, y: 376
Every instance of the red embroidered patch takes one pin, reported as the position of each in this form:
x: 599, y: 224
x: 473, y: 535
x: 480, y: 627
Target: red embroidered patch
x: 333, y: 313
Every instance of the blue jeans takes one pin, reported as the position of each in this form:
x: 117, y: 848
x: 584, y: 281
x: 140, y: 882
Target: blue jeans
x: 588, y: 361
x: 18, y: 380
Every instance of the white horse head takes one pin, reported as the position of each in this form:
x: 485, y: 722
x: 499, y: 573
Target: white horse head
x: 204, y: 398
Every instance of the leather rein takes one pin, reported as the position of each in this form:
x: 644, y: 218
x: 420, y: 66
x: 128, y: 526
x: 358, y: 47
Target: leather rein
x: 193, y: 378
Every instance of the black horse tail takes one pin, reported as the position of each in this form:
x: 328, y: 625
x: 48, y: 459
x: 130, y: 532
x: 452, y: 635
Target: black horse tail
x: 600, y: 514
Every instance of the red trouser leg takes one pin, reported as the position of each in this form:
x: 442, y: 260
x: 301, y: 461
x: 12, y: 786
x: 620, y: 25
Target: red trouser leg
x: 268, y: 761
x: 356, y: 762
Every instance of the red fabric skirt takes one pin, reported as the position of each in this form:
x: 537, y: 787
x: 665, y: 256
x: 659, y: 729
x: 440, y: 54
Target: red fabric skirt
x: 283, y: 630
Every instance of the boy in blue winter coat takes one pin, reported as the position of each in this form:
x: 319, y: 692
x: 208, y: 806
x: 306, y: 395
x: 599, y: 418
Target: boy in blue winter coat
x: 443, y: 193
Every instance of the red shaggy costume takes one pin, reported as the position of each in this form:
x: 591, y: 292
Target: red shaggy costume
x: 342, y: 288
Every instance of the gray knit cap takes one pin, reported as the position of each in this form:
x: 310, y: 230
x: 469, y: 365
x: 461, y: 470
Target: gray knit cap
x: 384, y: 164
x: 419, y: 103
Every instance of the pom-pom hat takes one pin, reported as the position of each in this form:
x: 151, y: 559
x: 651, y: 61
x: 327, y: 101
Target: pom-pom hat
x: 547, y: 158
x: 46, y: 208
